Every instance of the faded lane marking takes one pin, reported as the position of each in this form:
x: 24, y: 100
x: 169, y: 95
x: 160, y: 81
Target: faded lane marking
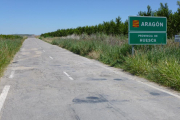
x: 68, y: 76
x: 136, y: 79
x: 12, y: 74
x: 4, y: 95
x: 160, y: 90
x: 50, y: 57
x: 22, y: 68
x: 71, y: 78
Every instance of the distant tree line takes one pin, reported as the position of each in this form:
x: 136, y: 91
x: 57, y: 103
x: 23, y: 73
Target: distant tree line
x: 117, y: 27
x: 10, y: 37
x: 112, y: 27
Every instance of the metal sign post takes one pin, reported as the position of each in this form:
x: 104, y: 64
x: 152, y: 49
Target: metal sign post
x: 132, y: 49
x: 177, y: 39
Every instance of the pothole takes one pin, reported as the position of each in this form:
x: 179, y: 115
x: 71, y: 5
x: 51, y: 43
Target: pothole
x: 15, y: 62
x: 118, y: 79
x: 90, y: 99
x: 154, y: 93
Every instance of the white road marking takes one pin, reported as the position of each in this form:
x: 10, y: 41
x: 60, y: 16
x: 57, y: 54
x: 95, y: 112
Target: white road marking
x: 50, y: 57
x: 71, y: 78
x: 160, y: 89
x: 68, y: 76
x: 12, y: 74
x: 4, y: 95
x: 134, y: 78
x: 43, y: 50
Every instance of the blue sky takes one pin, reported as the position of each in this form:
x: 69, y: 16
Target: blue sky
x: 41, y: 16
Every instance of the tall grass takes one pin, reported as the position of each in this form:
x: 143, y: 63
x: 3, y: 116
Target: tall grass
x: 10, y: 37
x: 8, y: 48
x: 160, y: 64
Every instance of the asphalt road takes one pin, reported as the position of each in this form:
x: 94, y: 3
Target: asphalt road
x: 46, y: 82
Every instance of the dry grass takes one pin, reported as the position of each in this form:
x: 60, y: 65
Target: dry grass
x: 37, y: 36
x: 73, y: 36
x: 49, y: 39
x: 94, y: 54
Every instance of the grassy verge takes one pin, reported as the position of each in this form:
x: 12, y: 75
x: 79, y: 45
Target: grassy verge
x: 160, y: 64
x: 9, y: 45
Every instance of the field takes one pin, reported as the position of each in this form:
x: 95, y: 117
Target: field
x: 160, y: 64
x: 9, y: 45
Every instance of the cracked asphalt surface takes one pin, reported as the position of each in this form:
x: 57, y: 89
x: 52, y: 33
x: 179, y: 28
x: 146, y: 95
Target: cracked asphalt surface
x: 42, y: 89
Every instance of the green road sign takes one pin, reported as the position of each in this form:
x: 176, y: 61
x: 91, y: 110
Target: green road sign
x: 147, y: 38
x: 147, y: 30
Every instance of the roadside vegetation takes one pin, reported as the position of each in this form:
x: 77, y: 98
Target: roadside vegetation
x: 108, y: 43
x: 12, y: 37
x: 160, y: 64
x: 9, y: 45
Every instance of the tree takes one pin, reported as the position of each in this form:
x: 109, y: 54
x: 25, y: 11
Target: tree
x: 125, y: 27
x: 118, y: 29
x: 148, y: 13
x: 165, y: 12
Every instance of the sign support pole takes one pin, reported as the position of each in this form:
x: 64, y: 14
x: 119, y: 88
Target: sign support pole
x: 177, y: 39
x: 133, y: 50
